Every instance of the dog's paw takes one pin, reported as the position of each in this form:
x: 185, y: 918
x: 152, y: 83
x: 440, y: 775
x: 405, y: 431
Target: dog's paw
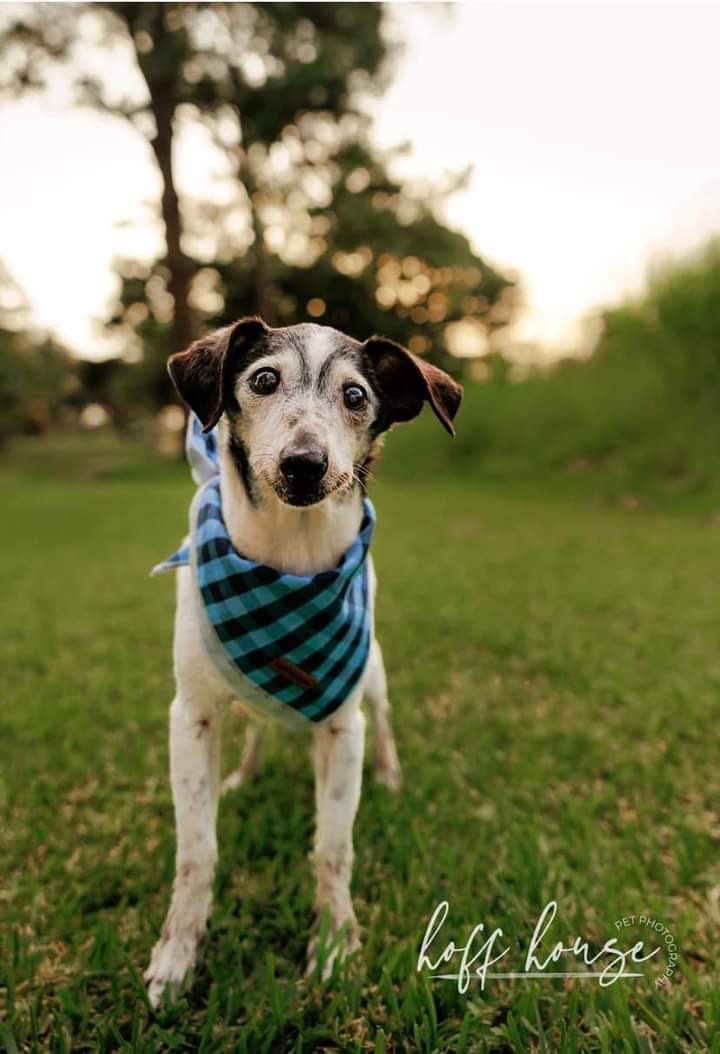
x: 389, y: 776
x: 331, y: 944
x: 233, y: 781
x: 172, y: 961
x: 239, y: 778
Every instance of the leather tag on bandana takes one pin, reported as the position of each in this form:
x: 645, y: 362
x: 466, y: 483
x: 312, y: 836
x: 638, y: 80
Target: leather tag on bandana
x: 293, y: 673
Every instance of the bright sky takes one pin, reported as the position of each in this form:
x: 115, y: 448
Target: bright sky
x: 592, y: 131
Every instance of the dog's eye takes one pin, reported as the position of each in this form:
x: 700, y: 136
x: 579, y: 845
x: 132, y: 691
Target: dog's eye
x: 354, y: 396
x: 265, y: 381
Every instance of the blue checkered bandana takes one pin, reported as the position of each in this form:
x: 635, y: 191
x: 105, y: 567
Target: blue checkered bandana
x: 293, y: 647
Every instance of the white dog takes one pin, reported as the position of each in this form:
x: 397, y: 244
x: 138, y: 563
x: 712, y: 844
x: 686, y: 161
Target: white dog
x: 301, y: 413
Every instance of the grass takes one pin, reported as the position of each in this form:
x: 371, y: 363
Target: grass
x: 554, y: 667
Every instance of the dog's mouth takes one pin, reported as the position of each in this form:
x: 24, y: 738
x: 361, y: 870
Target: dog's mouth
x: 304, y: 497
x: 300, y: 498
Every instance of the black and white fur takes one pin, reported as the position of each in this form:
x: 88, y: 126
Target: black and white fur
x: 302, y: 412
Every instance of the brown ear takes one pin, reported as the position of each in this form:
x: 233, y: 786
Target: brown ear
x: 406, y: 381
x: 203, y: 371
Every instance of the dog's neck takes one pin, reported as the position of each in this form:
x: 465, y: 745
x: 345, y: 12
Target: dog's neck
x: 295, y: 540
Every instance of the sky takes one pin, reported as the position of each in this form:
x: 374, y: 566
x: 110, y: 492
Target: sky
x: 591, y: 130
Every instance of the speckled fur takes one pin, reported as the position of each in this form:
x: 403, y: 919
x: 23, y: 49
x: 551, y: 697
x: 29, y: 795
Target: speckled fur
x: 314, y: 363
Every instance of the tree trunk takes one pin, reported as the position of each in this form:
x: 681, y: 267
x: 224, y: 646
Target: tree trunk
x: 163, y: 101
x: 177, y: 263
x: 262, y: 306
x: 262, y: 300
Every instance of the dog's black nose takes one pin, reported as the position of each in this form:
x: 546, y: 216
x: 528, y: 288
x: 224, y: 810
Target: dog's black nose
x: 304, y: 470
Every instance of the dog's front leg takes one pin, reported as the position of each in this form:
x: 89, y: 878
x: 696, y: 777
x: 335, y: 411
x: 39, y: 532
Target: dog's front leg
x: 338, y: 758
x: 194, y: 771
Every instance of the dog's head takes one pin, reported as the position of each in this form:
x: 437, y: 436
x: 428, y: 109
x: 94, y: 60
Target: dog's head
x: 306, y: 405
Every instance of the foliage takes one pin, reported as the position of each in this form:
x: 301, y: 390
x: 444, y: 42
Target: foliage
x: 34, y: 383
x: 371, y: 258
x: 312, y: 215
x: 675, y: 323
x: 635, y: 423
x: 200, y: 61
x: 35, y: 373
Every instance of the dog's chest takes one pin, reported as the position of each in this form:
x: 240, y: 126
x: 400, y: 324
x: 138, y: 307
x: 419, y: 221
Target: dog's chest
x: 293, y: 647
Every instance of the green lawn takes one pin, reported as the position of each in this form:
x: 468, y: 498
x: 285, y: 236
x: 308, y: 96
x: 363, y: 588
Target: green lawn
x: 555, y: 670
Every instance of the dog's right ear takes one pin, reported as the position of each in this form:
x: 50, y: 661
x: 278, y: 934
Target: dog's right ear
x: 203, y: 372
x: 406, y: 382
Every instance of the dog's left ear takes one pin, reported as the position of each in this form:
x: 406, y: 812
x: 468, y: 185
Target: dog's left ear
x: 406, y: 382
x: 203, y: 372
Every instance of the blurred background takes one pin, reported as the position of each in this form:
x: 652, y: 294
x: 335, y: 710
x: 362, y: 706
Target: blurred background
x: 504, y: 189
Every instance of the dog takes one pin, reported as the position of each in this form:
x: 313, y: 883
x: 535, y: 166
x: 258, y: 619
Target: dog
x: 301, y: 413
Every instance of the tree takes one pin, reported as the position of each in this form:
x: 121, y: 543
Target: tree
x: 247, y: 70
x: 313, y: 226
x: 373, y: 257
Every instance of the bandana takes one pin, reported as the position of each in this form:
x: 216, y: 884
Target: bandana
x: 292, y: 646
